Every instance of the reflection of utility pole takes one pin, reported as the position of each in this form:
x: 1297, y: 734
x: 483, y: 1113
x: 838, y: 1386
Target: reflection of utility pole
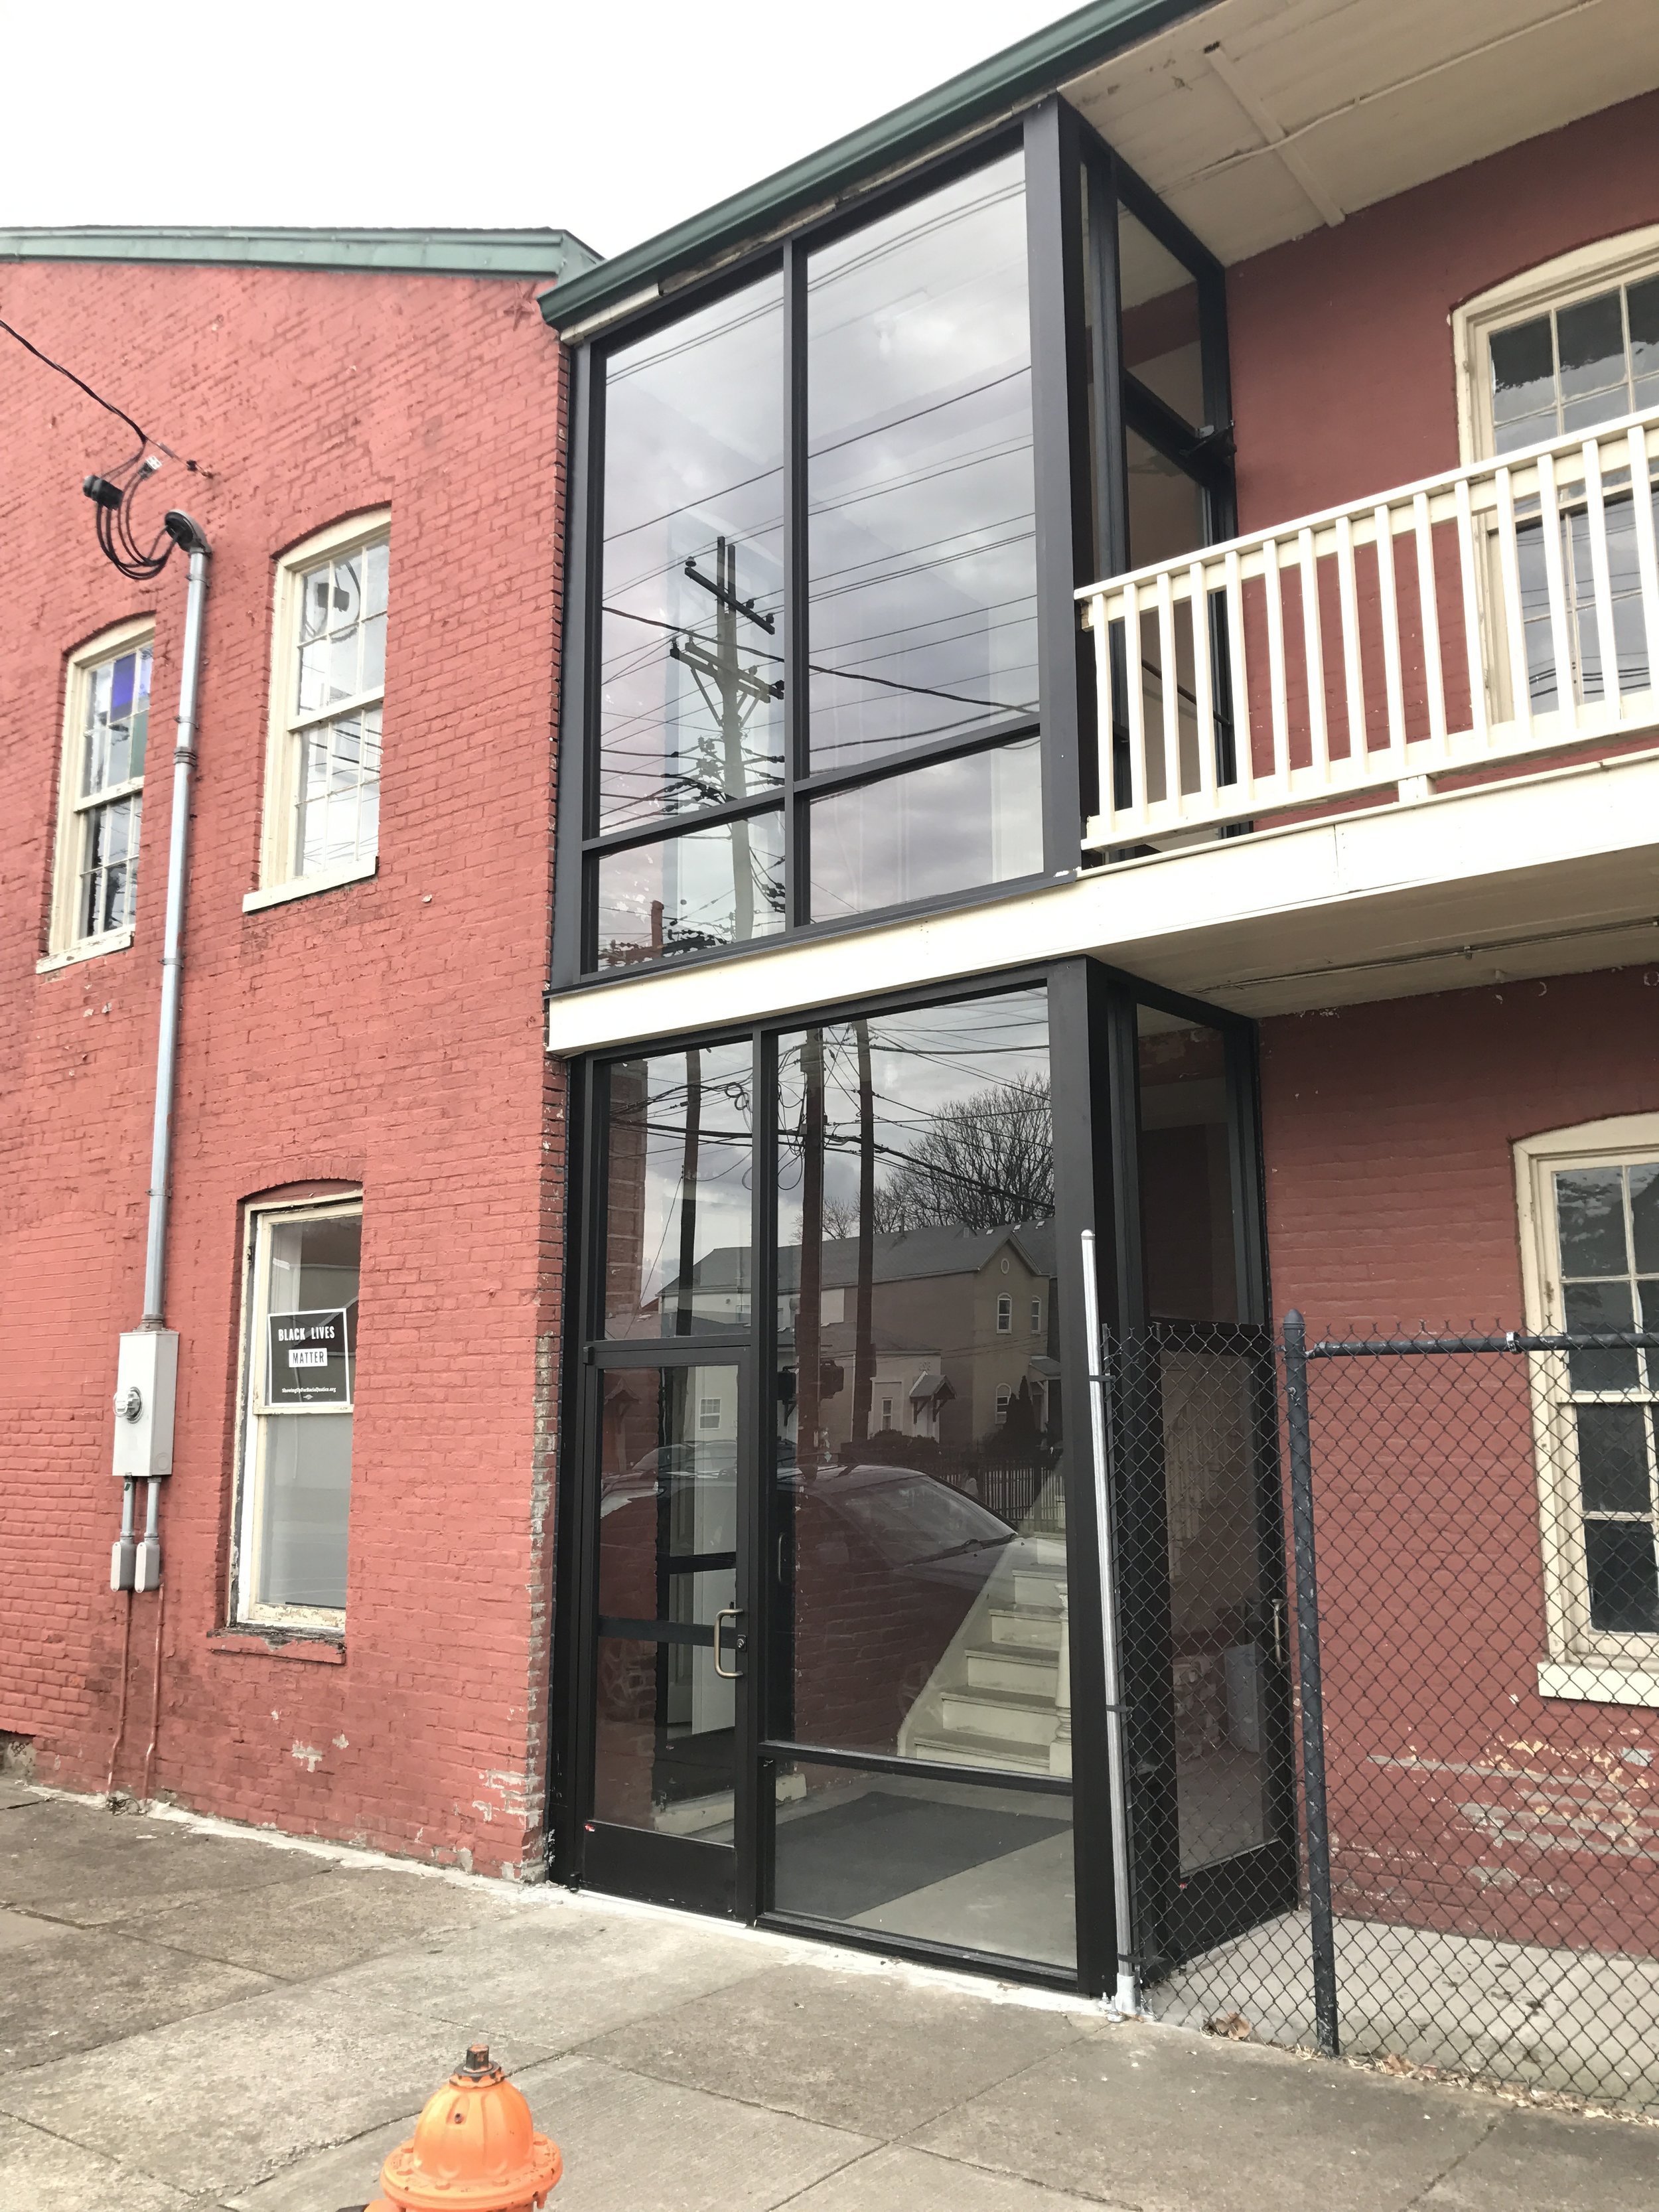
x: 809, y: 1311
x: 685, y: 1300
x: 736, y: 692
x: 864, y: 1353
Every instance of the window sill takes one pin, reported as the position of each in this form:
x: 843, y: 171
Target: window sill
x: 118, y: 940
x: 1596, y: 1682
x: 250, y: 1640
x: 355, y: 871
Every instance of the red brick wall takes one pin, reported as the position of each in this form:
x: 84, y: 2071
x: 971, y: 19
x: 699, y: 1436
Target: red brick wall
x: 1460, y: 1798
x: 388, y: 1032
x: 1343, y: 380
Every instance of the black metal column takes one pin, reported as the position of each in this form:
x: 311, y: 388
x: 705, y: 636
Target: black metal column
x: 1316, y: 1819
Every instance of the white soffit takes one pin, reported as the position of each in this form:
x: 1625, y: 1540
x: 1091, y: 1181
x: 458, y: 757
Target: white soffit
x: 1258, y: 120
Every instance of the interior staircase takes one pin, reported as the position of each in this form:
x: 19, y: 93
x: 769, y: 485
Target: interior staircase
x: 997, y: 1697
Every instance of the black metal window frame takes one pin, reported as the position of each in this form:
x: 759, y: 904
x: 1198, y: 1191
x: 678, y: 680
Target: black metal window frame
x: 1094, y: 1089
x: 1064, y: 160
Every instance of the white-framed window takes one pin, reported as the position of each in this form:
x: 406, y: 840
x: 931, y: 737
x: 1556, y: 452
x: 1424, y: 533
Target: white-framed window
x: 1563, y: 347
x: 328, y: 682
x: 1588, y: 1200
x: 100, y: 789
x: 1036, y: 1316
x: 1560, y: 349
x: 708, y: 1412
x: 1004, y: 1399
x: 1005, y: 1314
x: 299, y: 1389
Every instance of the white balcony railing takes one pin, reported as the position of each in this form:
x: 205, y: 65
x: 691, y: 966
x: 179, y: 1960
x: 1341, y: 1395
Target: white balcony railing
x: 1499, y: 612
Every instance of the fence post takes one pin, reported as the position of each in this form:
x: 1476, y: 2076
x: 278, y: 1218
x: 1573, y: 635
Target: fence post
x: 1322, y: 1936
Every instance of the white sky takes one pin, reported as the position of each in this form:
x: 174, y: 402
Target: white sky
x: 612, y: 120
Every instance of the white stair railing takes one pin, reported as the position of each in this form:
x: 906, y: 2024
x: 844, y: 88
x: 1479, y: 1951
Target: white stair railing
x: 1506, y: 608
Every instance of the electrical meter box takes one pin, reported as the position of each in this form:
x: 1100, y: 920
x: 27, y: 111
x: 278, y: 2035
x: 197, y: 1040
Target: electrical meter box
x: 146, y: 1378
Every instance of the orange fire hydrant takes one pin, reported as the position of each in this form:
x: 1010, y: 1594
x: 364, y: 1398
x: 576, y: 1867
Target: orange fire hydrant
x: 473, y: 2150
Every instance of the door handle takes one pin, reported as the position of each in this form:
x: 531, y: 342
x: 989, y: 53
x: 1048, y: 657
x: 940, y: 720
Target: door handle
x: 726, y: 1673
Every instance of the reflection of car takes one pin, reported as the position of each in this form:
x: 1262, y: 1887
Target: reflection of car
x: 669, y: 1467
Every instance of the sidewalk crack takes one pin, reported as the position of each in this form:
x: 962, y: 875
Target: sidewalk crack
x: 1451, y: 2165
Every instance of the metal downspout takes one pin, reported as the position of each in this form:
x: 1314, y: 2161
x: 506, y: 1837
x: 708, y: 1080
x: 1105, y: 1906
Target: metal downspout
x: 1126, y: 1995
x: 167, y: 1043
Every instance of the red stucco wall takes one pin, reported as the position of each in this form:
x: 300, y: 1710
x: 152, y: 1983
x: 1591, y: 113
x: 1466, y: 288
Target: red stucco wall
x: 387, y: 1033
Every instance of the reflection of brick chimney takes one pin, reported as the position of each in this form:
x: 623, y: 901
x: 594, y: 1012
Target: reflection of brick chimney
x: 624, y: 1248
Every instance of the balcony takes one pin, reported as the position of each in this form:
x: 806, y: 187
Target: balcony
x: 1450, y: 632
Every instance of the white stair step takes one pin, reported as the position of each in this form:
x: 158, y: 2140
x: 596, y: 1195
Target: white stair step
x: 1000, y: 1713
x: 1027, y: 1627
x: 964, y: 1749
x: 1032, y: 1673
x: 1038, y: 1589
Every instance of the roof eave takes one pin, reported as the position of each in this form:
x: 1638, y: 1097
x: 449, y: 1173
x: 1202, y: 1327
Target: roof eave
x: 554, y: 254
x: 1047, y: 59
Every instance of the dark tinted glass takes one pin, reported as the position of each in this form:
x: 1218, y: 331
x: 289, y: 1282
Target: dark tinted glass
x: 1624, y: 1589
x: 706, y: 888
x: 952, y: 1862
x: 947, y: 828
x: 922, y: 617
x: 1642, y: 306
x: 1645, y: 1216
x: 1599, y: 1310
x: 663, y: 1715
x: 1613, y: 1459
x: 919, y: 1437
x: 1523, y: 384
x: 690, y: 707
x: 1589, y: 1212
x: 1159, y: 297
x: 1188, y: 1227
x: 1589, y: 338
x: 678, y: 1193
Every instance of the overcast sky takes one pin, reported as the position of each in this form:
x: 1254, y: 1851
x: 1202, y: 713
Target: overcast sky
x: 612, y: 120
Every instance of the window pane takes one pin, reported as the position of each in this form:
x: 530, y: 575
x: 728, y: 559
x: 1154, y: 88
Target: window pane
x: 1523, y: 384
x: 1624, y: 1589
x: 1159, y: 296
x: 1187, y: 1172
x: 690, y: 704
x: 706, y: 888
x: 679, y: 1178
x: 919, y: 472
x: 952, y: 1862
x: 915, y: 1194
x: 1642, y: 305
x: 1600, y: 1309
x: 1613, y: 1459
x: 1589, y: 1213
x: 1645, y: 1216
x: 313, y: 1268
x: 667, y: 1564
x: 943, y: 829
x: 1590, y: 341
x: 305, y: 1496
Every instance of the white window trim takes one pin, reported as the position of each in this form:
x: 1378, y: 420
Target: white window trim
x: 1633, y: 255
x: 245, y: 1611
x: 278, y: 878
x: 62, y: 947
x: 1581, y: 1665
x: 326, y: 880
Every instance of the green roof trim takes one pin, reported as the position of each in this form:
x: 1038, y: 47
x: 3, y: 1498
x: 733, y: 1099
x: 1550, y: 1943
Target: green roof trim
x: 555, y: 253
x: 1021, y: 72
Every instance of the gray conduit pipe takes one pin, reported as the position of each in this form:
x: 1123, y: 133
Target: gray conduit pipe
x: 189, y: 536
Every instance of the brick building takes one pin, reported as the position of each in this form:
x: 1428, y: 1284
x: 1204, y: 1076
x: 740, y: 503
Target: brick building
x: 1107, y: 691
x: 378, y: 418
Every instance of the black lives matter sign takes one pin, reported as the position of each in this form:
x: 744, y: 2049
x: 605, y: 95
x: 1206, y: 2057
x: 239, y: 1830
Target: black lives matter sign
x: 309, y: 1358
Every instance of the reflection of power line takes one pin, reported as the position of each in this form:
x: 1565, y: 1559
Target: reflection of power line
x: 820, y: 668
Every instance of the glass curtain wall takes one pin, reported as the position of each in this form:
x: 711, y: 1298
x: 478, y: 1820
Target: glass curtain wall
x: 859, y: 417
x: 919, y: 1482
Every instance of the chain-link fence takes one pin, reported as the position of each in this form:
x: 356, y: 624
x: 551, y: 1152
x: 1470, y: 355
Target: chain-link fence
x: 1390, y: 1628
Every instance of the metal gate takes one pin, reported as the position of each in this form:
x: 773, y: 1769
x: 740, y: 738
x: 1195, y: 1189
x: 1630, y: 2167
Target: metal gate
x: 1471, y: 1656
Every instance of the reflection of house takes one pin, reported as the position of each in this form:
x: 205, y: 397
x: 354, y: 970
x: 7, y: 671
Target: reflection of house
x: 960, y: 1329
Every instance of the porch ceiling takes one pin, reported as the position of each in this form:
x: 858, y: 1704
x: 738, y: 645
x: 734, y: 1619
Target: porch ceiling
x: 1258, y: 121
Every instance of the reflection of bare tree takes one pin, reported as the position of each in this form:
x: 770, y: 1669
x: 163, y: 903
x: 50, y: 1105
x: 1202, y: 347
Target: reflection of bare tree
x: 980, y: 1163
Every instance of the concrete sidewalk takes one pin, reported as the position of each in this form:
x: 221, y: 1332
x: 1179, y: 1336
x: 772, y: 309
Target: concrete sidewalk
x: 194, y: 2020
